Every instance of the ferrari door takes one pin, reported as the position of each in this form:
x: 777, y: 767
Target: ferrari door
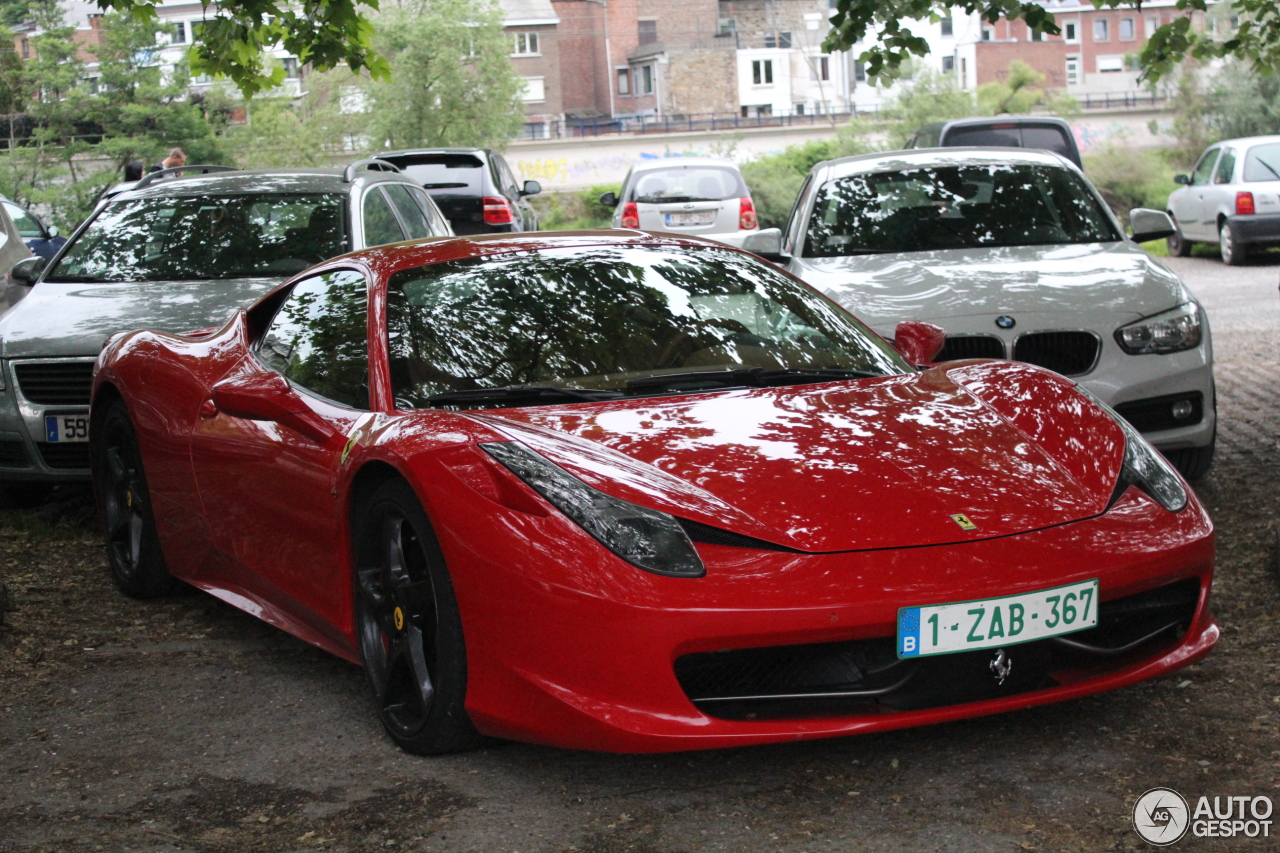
x: 267, y: 489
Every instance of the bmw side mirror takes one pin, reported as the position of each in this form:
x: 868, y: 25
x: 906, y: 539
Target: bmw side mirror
x: 27, y: 270
x: 531, y: 188
x: 1182, y: 179
x: 1150, y: 225
x: 919, y: 342
x: 766, y: 243
x: 609, y: 199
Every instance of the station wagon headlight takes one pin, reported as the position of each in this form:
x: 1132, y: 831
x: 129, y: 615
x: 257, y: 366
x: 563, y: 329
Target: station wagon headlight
x: 645, y: 538
x: 1172, y: 331
x: 1143, y: 465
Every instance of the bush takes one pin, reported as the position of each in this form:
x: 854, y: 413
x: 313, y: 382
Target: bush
x: 774, y: 180
x: 1129, y: 178
x: 572, y: 211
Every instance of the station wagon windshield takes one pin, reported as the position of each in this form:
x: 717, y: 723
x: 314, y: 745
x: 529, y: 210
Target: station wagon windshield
x: 607, y: 321
x: 204, y: 237
x: 954, y: 207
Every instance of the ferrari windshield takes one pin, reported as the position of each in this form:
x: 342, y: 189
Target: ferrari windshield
x: 603, y: 321
x: 954, y: 207
x: 206, y: 237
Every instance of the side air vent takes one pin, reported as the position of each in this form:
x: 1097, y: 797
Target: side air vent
x: 708, y: 535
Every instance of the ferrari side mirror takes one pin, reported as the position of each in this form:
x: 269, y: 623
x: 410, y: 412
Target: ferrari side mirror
x: 267, y: 396
x: 919, y: 342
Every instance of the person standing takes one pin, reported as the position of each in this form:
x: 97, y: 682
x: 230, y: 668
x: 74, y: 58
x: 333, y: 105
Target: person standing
x: 177, y: 157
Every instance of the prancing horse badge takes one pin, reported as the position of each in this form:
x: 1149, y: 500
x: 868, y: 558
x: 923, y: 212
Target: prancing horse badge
x: 964, y: 522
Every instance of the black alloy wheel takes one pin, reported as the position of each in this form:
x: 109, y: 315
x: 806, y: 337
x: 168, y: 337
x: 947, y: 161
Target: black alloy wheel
x: 124, y: 505
x: 408, y: 624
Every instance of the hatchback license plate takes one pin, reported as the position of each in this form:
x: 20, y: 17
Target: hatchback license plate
x: 63, y: 429
x: 704, y: 217
x: 941, y: 629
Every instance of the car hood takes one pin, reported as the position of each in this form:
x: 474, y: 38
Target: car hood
x: 58, y: 319
x: 883, y: 290
x: 875, y: 463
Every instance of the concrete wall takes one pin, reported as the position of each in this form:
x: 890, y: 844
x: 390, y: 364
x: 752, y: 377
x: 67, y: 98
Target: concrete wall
x: 574, y: 164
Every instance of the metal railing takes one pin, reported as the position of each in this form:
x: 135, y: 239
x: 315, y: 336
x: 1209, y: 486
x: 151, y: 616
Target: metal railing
x: 1119, y: 100
x: 682, y: 123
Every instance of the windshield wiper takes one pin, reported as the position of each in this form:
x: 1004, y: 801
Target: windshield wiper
x: 520, y: 395
x: 78, y: 279
x: 749, y: 377
x: 1269, y: 167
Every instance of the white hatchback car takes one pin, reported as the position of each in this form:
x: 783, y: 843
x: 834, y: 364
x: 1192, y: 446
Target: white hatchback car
x: 691, y: 196
x: 1231, y: 197
x: 1015, y: 255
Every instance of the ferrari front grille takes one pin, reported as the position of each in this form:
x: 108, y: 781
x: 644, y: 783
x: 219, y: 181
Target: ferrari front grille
x: 1068, y: 353
x: 65, y: 456
x: 55, y: 383
x: 971, y: 346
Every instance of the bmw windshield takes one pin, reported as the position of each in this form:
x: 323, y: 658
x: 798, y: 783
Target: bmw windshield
x: 206, y: 237
x: 604, y: 322
x: 954, y: 207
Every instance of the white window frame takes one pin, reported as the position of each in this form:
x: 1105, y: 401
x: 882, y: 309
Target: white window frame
x: 622, y: 81
x: 1071, y: 31
x: 762, y: 73
x: 1133, y: 30
x: 1106, y: 30
x: 1109, y: 63
x: 535, y: 90
x: 527, y: 43
x: 645, y: 83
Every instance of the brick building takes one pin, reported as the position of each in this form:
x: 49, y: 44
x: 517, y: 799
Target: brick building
x: 533, y: 28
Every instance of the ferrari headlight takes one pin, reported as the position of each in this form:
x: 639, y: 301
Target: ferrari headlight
x: 645, y: 538
x: 1172, y: 331
x: 1143, y: 466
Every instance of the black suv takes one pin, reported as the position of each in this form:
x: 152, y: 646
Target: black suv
x: 474, y: 187
x: 1043, y: 132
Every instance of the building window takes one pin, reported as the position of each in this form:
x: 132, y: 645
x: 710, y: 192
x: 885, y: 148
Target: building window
x: 799, y: 109
x: 824, y: 68
x: 624, y: 81
x: 948, y: 64
x: 1100, y: 30
x: 1069, y: 31
x: 526, y: 44
x: 770, y: 40
x: 948, y: 28
x: 535, y: 90
x: 179, y: 35
x: 1150, y: 27
x: 860, y: 72
x: 762, y: 72
x: 988, y: 34
x: 964, y: 71
x: 1126, y: 29
x: 784, y: 39
x: 1073, y: 70
x: 290, y: 68
x: 26, y: 49
x: 727, y: 26
x: 646, y: 80
x: 648, y: 31
x: 1035, y: 35
x: 1110, y: 64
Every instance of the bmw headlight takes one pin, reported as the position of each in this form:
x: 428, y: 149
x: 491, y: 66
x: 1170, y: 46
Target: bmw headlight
x: 1143, y: 466
x: 1172, y: 331
x: 645, y: 538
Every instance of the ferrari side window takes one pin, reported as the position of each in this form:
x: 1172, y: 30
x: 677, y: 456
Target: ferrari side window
x: 318, y: 339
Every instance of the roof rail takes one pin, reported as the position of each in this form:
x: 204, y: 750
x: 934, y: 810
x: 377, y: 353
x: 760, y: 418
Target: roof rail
x: 372, y: 164
x: 152, y: 177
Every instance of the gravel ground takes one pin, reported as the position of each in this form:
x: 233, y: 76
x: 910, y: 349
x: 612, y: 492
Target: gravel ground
x: 186, y: 725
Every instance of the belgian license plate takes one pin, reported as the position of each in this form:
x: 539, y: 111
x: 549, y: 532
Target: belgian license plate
x: 704, y: 217
x: 942, y: 629
x: 61, y: 429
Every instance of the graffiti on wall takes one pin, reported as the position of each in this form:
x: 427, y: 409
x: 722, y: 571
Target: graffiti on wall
x: 588, y: 170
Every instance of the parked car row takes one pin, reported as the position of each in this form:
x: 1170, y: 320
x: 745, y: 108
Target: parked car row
x: 500, y: 470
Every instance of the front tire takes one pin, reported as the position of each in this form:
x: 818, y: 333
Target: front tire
x: 124, y: 505
x: 1179, y: 246
x: 408, y: 625
x: 1192, y: 462
x: 1233, y: 251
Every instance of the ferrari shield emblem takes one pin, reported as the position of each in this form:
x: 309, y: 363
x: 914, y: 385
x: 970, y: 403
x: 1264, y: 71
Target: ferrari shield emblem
x: 346, y: 448
x: 964, y: 522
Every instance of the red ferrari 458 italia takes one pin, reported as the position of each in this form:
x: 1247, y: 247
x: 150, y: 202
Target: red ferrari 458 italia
x: 617, y: 491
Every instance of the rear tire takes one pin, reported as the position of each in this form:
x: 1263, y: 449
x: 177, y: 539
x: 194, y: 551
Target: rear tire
x: 409, y: 627
x: 1192, y: 462
x: 1179, y: 246
x: 124, y: 505
x: 1229, y: 245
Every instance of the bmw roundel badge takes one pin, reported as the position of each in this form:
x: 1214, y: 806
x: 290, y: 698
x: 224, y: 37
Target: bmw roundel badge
x: 1004, y: 321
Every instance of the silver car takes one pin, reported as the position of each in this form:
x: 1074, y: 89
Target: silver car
x: 1231, y: 197
x: 697, y: 196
